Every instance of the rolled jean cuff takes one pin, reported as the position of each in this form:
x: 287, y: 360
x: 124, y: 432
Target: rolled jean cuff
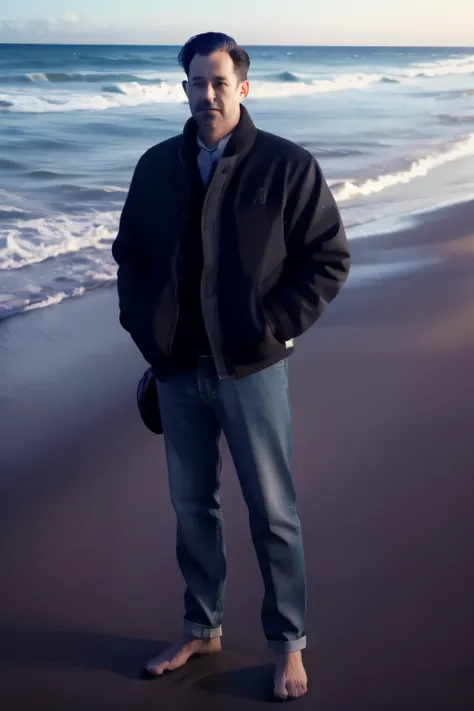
x: 200, y: 632
x: 297, y: 645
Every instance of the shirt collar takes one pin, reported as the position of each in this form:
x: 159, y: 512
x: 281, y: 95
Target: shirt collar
x: 220, y: 148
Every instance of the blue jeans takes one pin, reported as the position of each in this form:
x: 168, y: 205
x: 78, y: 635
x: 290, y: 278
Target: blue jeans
x: 254, y: 415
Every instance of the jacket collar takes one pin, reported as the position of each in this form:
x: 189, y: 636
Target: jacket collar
x: 243, y: 136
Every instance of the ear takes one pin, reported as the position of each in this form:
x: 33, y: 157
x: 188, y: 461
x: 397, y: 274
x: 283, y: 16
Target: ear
x: 244, y: 90
x: 185, y: 87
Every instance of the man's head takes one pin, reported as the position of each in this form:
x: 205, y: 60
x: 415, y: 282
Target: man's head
x: 217, y: 70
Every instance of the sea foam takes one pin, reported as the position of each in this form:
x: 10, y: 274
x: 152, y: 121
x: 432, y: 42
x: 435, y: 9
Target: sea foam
x: 351, y: 190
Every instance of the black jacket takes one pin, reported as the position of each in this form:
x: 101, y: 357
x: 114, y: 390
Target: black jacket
x: 274, y: 249
x: 190, y: 338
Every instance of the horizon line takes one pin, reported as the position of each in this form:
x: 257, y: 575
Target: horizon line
x: 243, y: 44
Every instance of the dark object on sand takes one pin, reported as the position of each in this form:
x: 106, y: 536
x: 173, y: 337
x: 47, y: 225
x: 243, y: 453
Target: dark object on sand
x: 147, y: 399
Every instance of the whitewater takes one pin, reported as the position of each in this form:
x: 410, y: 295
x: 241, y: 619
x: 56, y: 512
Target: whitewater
x: 392, y: 128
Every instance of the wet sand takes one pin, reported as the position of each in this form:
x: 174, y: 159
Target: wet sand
x: 383, y: 413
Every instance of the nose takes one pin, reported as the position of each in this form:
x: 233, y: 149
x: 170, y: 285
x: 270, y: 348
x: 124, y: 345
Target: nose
x: 210, y: 93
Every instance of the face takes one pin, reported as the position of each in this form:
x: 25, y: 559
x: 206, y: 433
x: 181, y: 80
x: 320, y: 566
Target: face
x: 215, y: 92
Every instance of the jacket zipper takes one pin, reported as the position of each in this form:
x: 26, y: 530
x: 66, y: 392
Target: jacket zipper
x: 177, y: 269
x: 176, y: 300
x: 219, y: 362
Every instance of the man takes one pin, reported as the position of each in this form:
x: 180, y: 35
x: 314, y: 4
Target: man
x: 230, y: 246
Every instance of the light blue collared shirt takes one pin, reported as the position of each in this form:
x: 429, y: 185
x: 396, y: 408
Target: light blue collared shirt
x: 207, y: 158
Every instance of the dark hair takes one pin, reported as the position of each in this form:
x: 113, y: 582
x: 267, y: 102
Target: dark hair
x: 209, y: 42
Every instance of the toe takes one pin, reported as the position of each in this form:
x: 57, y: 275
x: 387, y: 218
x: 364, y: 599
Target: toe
x: 280, y: 689
x: 301, y: 689
x: 292, y: 688
x: 296, y: 689
x: 156, y: 669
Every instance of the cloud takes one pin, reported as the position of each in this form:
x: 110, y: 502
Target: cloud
x: 71, y: 28
x: 68, y: 26
x: 66, y: 23
x: 70, y: 17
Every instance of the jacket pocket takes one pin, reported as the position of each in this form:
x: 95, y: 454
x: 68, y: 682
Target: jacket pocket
x: 270, y: 323
x: 141, y: 331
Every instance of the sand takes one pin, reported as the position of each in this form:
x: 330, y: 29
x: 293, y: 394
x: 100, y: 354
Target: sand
x: 383, y: 413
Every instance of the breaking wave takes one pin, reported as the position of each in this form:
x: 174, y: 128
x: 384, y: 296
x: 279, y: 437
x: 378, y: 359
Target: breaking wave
x: 351, y: 190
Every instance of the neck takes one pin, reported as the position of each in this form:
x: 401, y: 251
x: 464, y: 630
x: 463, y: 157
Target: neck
x: 211, y: 139
x: 243, y: 136
x: 211, y: 136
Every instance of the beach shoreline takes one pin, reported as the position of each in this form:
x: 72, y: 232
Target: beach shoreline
x: 383, y: 463
x: 392, y: 130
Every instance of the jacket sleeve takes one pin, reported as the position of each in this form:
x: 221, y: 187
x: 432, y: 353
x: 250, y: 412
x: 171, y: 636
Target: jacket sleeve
x: 128, y: 253
x: 318, y: 258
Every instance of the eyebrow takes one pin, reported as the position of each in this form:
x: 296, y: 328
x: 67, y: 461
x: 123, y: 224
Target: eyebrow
x: 219, y: 78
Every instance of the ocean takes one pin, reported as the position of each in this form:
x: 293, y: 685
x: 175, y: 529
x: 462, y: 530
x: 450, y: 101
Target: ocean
x: 392, y: 128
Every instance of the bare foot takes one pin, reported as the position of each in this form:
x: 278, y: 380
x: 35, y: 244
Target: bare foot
x: 178, y: 654
x: 291, y: 681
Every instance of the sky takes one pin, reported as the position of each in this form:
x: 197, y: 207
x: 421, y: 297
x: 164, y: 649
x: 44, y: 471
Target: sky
x: 291, y: 22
